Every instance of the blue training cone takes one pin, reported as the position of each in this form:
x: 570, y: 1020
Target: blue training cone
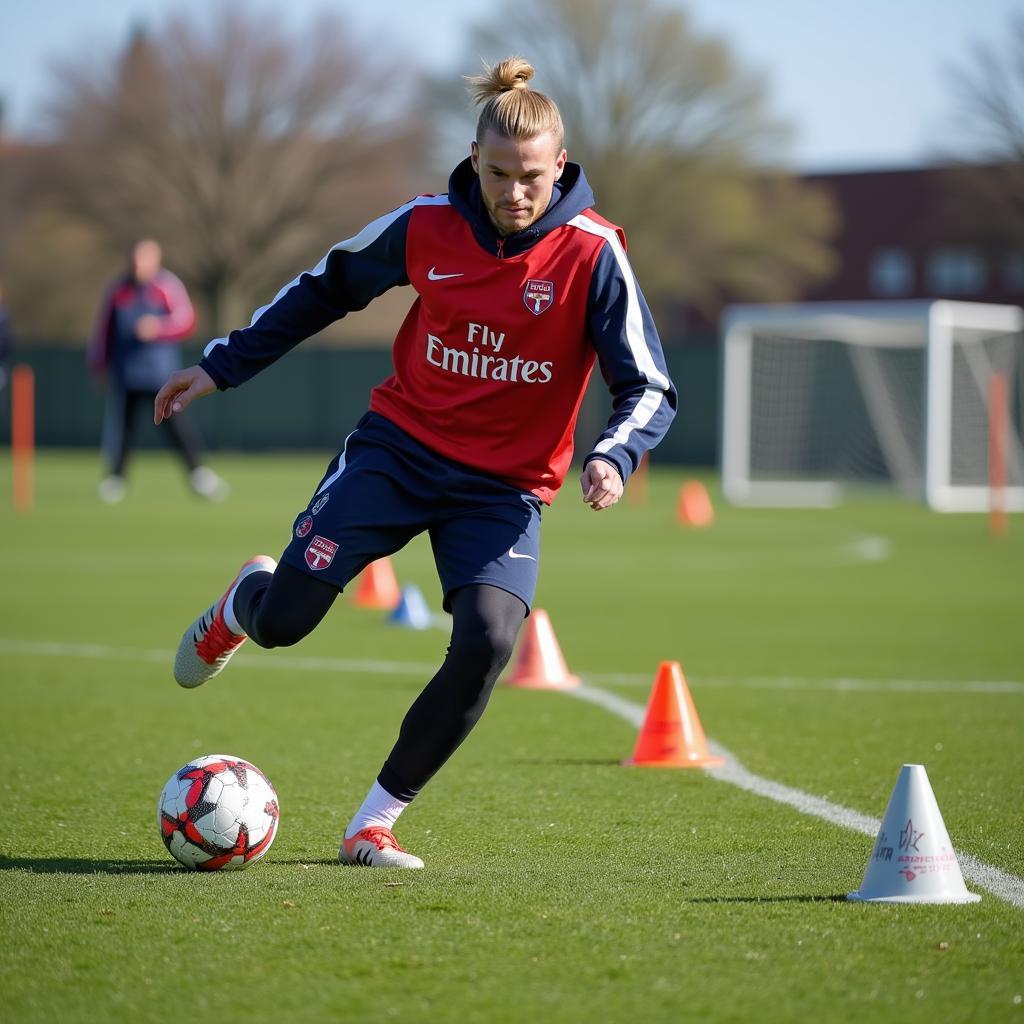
x: 412, y: 611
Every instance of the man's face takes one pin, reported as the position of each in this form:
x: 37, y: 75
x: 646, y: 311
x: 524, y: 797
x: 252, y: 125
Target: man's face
x: 146, y: 257
x: 517, y: 177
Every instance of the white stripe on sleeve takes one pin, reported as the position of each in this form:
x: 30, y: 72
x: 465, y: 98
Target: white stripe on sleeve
x: 641, y: 415
x: 653, y: 396
x: 635, y: 336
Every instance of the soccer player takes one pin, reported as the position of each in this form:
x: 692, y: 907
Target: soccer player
x: 145, y: 315
x: 519, y: 286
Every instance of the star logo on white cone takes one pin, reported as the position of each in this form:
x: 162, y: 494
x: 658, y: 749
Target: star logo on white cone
x: 433, y: 275
x: 512, y: 553
x: 909, y: 837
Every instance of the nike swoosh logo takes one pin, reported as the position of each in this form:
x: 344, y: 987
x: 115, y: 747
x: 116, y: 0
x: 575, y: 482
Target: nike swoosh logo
x: 433, y: 275
x: 512, y: 553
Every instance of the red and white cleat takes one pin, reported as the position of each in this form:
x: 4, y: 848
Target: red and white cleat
x: 376, y: 847
x: 208, y: 644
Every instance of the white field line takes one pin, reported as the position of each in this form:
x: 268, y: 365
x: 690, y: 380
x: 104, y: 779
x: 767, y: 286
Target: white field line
x: 1001, y: 883
x: 104, y: 652
x: 300, y: 663
x: 996, y: 686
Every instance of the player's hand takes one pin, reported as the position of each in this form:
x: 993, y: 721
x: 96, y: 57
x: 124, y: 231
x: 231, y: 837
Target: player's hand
x: 147, y: 327
x: 182, y: 387
x: 601, y: 483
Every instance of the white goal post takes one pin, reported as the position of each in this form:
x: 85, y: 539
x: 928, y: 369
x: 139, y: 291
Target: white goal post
x: 818, y: 395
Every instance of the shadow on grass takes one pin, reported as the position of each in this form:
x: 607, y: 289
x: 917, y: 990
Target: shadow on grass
x: 838, y: 898
x: 84, y: 866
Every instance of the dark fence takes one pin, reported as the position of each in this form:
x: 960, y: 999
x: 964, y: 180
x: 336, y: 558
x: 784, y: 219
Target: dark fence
x: 311, y: 399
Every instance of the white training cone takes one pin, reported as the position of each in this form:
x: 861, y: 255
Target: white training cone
x: 913, y: 860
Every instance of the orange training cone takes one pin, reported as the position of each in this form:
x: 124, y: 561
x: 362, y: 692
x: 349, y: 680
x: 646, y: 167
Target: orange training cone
x: 671, y: 735
x: 539, y: 664
x: 378, y: 587
x: 694, y: 507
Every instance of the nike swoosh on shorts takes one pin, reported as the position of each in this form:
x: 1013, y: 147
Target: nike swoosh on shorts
x: 512, y: 553
x: 433, y: 275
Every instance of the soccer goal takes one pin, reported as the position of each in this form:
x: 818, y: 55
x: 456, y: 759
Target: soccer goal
x: 818, y: 395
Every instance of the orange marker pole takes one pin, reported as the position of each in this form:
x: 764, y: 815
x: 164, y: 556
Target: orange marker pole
x: 997, y: 431
x: 23, y: 435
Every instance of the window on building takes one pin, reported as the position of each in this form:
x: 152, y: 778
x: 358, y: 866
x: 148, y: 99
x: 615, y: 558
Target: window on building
x: 891, y: 272
x: 956, y: 272
x: 1013, y: 272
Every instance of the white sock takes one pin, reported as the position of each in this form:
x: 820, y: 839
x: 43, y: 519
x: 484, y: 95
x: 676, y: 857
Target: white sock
x: 229, y: 613
x: 379, y: 808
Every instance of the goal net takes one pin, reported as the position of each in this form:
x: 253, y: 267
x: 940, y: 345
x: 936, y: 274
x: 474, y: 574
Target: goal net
x: 820, y: 395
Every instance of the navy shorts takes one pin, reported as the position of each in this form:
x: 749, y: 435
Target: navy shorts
x: 383, y: 488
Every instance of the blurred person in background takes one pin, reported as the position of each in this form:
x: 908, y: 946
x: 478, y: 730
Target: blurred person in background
x: 6, y: 343
x: 145, y: 315
x: 519, y: 286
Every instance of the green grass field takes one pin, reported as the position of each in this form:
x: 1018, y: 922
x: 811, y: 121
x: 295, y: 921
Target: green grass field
x: 824, y: 649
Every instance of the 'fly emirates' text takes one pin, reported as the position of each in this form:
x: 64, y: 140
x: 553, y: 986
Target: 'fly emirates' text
x: 486, y: 364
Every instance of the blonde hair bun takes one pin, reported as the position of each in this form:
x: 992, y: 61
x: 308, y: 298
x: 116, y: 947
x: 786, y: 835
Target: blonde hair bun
x: 510, y: 107
x: 510, y: 73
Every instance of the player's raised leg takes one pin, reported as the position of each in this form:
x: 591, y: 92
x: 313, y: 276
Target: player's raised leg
x: 275, y: 605
x: 207, y: 645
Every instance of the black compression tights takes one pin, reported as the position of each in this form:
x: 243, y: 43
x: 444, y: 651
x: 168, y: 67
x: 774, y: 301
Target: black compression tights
x: 180, y: 428
x: 485, y: 621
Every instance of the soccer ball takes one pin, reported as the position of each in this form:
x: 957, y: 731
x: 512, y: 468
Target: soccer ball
x: 217, y: 812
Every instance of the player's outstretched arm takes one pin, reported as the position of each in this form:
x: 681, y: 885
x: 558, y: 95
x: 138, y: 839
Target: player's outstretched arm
x: 601, y: 484
x: 180, y: 389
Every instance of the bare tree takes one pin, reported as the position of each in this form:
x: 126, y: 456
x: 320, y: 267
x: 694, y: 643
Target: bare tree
x: 988, y: 94
x: 244, y: 151
x: 677, y: 144
x: 989, y: 90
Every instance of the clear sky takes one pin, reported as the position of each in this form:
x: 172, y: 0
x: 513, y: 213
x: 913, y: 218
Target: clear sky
x: 862, y: 82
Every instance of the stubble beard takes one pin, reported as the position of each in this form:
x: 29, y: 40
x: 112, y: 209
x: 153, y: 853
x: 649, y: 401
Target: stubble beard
x: 503, y: 228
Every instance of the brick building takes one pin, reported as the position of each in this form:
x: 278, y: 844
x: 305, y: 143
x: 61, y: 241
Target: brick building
x: 926, y: 233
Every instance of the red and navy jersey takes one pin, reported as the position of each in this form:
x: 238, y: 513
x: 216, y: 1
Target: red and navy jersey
x: 114, y: 347
x: 493, y: 357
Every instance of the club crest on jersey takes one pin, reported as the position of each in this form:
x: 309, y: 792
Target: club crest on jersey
x: 320, y: 552
x: 538, y: 295
x: 304, y: 525
x: 320, y: 502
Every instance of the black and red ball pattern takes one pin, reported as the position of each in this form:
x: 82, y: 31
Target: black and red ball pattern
x: 218, y: 812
